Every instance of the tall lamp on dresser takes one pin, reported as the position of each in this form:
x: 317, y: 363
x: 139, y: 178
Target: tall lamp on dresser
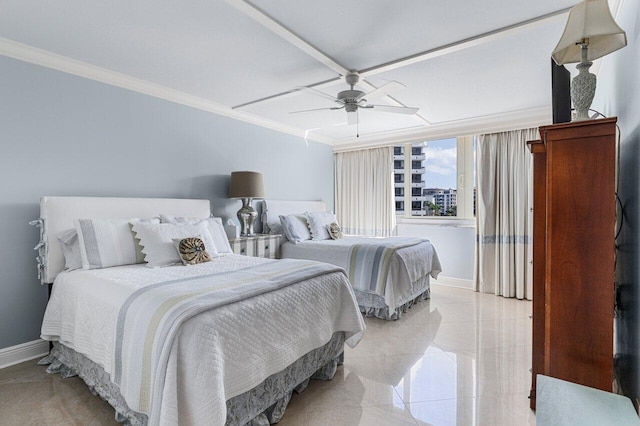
x: 573, y: 252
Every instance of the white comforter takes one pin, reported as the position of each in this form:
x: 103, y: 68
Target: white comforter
x: 267, y: 332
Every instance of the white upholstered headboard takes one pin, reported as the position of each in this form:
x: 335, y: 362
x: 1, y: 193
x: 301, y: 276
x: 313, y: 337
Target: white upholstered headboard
x: 272, y: 209
x: 57, y: 215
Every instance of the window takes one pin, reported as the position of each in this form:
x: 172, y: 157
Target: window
x: 437, y: 183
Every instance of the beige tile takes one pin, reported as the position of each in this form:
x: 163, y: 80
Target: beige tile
x: 444, y: 412
x: 509, y: 410
x: 52, y: 402
x: 475, y: 336
x: 498, y: 371
x: 490, y: 310
x: 347, y: 389
x: 412, y: 334
x: 296, y: 414
x: 382, y: 415
x: 432, y: 377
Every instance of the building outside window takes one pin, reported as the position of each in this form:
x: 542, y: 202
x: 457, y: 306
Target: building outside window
x: 430, y: 187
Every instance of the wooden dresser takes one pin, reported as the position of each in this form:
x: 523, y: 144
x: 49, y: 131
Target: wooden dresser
x: 573, y: 252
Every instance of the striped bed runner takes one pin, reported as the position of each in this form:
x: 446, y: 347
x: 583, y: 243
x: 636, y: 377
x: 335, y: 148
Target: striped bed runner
x: 152, y: 316
x: 369, y: 263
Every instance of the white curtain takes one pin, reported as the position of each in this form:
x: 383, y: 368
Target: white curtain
x: 504, y: 218
x: 364, y: 192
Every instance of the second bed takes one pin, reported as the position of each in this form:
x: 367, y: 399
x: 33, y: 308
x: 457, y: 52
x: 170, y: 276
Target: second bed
x: 388, y: 275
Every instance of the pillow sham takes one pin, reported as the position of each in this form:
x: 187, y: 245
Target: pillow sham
x: 274, y: 228
x: 157, y: 241
x: 318, y: 223
x: 271, y: 221
x: 191, y: 250
x: 107, y: 242
x: 216, y: 229
x: 295, y: 227
x: 70, y: 250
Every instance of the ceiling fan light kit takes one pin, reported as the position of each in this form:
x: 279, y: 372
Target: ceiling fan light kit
x: 351, y: 100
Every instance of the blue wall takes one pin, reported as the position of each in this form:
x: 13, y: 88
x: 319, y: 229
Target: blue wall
x: 618, y: 94
x: 65, y: 135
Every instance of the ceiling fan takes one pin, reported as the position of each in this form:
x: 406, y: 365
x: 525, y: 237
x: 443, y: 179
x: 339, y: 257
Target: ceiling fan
x: 352, y: 100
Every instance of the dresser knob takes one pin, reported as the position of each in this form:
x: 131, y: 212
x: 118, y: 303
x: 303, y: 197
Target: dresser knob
x: 266, y: 247
x: 242, y: 250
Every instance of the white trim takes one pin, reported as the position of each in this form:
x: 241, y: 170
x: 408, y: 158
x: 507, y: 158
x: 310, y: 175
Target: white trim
x: 533, y: 117
x: 67, y: 65
x: 24, y: 352
x: 467, y: 43
x: 277, y: 28
x: 453, y: 282
x: 514, y: 120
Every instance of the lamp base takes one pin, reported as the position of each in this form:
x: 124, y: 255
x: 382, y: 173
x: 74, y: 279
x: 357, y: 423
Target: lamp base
x: 247, y: 216
x: 583, y: 88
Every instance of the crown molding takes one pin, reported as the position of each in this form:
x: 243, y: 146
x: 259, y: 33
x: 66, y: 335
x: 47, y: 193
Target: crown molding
x: 533, y: 117
x: 67, y: 65
x: 477, y: 125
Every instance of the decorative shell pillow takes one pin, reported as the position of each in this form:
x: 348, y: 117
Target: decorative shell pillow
x: 157, y: 241
x: 334, y: 231
x: 192, y: 250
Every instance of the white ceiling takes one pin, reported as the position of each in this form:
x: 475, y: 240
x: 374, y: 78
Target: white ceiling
x: 465, y: 63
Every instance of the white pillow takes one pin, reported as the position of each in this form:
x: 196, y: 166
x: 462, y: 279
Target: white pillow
x: 70, y: 250
x: 157, y: 240
x: 318, y: 223
x: 272, y: 223
x: 107, y: 242
x: 295, y: 228
x: 274, y: 228
x: 216, y: 228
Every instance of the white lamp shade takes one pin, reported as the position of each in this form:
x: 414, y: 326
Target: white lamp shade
x: 591, y: 20
x: 246, y: 185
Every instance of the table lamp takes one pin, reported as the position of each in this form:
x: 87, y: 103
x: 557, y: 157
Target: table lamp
x: 246, y: 186
x: 590, y: 33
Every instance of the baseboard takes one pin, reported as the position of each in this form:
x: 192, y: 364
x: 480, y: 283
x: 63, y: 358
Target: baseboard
x: 23, y: 352
x: 454, y: 282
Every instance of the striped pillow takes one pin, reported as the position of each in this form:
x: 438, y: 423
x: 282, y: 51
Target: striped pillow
x: 108, y: 242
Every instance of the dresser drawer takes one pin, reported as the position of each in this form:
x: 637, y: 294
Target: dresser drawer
x: 261, y: 245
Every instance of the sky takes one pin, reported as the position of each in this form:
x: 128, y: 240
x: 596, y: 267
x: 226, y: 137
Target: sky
x: 440, y: 164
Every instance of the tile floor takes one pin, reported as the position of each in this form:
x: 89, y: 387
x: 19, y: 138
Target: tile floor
x: 461, y: 358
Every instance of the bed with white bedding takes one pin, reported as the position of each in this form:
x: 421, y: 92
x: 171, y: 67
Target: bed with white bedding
x: 221, y: 342
x: 388, y: 275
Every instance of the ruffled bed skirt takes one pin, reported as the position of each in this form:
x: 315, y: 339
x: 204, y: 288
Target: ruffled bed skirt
x: 263, y: 405
x: 374, y: 305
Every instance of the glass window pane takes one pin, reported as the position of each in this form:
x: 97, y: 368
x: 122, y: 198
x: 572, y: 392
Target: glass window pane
x: 440, y: 178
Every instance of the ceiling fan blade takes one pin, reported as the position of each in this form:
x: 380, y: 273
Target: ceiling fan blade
x: 385, y: 89
x: 396, y: 109
x: 318, y: 93
x: 315, y: 109
x: 352, y: 118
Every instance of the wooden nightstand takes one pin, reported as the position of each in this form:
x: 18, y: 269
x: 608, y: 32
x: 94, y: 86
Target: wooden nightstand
x: 260, y: 245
